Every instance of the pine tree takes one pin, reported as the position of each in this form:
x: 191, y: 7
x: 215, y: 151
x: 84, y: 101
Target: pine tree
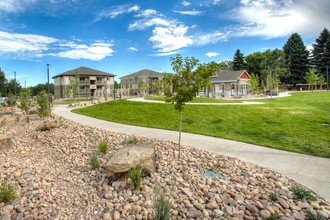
x: 3, y: 84
x: 321, y: 52
x: 297, y: 58
x: 238, y: 61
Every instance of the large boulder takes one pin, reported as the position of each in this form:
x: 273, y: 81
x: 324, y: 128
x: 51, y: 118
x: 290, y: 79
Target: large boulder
x: 5, y: 143
x: 51, y: 124
x: 140, y: 155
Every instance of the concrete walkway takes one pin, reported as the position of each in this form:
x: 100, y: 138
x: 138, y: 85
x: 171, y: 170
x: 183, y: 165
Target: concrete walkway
x: 140, y: 99
x: 312, y: 172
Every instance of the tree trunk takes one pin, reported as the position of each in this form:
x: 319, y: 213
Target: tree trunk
x: 180, y: 135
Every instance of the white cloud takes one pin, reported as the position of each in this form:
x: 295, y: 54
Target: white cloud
x: 14, y: 5
x: 117, y: 10
x: 146, y: 13
x: 212, y: 54
x: 274, y: 18
x: 132, y: 49
x: 13, y: 42
x: 32, y: 47
x: 95, y: 52
x: 185, y: 3
x: 145, y: 23
x: 193, y: 12
x: 165, y: 54
x: 170, y: 39
x: 210, y: 38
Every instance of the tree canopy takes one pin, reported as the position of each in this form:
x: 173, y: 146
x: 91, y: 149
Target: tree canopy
x: 3, y: 84
x: 189, y: 78
x: 238, y: 60
x: 296, y: 56
x: 321, y: 52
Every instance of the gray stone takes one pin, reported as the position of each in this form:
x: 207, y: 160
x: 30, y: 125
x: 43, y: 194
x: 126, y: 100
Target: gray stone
x: 140, y: 155
x: 5, y: 143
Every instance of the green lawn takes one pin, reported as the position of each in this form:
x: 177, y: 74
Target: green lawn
x: 199, y: 100
x: 300, y: 123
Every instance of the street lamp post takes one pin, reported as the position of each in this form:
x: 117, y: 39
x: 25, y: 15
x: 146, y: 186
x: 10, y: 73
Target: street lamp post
x: 15, y: 84
x: 48, y: 88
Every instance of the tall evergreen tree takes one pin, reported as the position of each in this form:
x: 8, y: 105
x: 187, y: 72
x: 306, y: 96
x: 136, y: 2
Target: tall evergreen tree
x: 3, y: 84
x: 297, y: 58
x: 14, y: 84
x: 321, y: 52
x: 239, y: 60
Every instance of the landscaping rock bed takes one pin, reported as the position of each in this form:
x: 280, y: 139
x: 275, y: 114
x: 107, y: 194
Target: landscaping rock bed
x: 53, y: 180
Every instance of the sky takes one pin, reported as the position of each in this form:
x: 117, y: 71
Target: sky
x: 125, y: 36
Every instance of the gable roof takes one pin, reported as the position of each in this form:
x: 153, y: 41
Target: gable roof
x: 83, y: 71
x: 228, y: 75
x: 143, y: 73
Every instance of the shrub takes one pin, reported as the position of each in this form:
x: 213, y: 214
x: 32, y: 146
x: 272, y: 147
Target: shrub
x: 94, y: 161
x: 162, y: 205
x: 103, y: 146
x: 135, y: 176
x: 43, y: 104
x: 131, y: 140
x: 273, y: 197
x: 18, y: 118
x: 27, y: 119
x: 311, y: 216
x: 3, y: 122
x: 301, y: 193
x: 6, y: 191
x: 273, y: 217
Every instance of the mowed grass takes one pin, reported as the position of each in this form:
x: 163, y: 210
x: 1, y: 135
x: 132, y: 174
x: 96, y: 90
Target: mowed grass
x: 198, y: 100
x: 300, y: 123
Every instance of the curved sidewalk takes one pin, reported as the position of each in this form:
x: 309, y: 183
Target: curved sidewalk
x: 310, y: 171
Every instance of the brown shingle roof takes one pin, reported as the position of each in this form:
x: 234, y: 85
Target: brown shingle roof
x: 84, y: 71
x: 227, y: 76
x: 144, y: 73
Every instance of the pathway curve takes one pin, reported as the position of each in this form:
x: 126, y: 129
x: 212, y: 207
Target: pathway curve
x: 141, y: 99
x: 310, y: 171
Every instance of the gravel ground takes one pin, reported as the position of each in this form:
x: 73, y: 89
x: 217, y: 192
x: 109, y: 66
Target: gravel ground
x: 53, y: 180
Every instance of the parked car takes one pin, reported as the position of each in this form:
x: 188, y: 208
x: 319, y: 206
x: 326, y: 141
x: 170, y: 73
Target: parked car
x: 2, y: 100
x: 271, y: 93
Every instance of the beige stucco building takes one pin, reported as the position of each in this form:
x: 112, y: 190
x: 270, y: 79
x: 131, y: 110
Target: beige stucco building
x: 92, y: 83
x: 131, y: 82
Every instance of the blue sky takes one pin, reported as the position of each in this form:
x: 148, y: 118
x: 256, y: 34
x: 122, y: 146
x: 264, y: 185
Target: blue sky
x: 122, y: 37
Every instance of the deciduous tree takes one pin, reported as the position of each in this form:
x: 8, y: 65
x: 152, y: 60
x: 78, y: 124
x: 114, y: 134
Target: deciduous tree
x: 311, y: 78
x: 254, y: 83
x: 190, y: 77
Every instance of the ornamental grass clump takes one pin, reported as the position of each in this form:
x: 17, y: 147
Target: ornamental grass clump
x: 103, y: 147
x: 273, y: 197
x: 7, y: 192
x: 131, y: 140
x: 312, y: 216
x: 135, y: 176
x: 162, y: 205
x: 94, y: 161
x: 301, y: 193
